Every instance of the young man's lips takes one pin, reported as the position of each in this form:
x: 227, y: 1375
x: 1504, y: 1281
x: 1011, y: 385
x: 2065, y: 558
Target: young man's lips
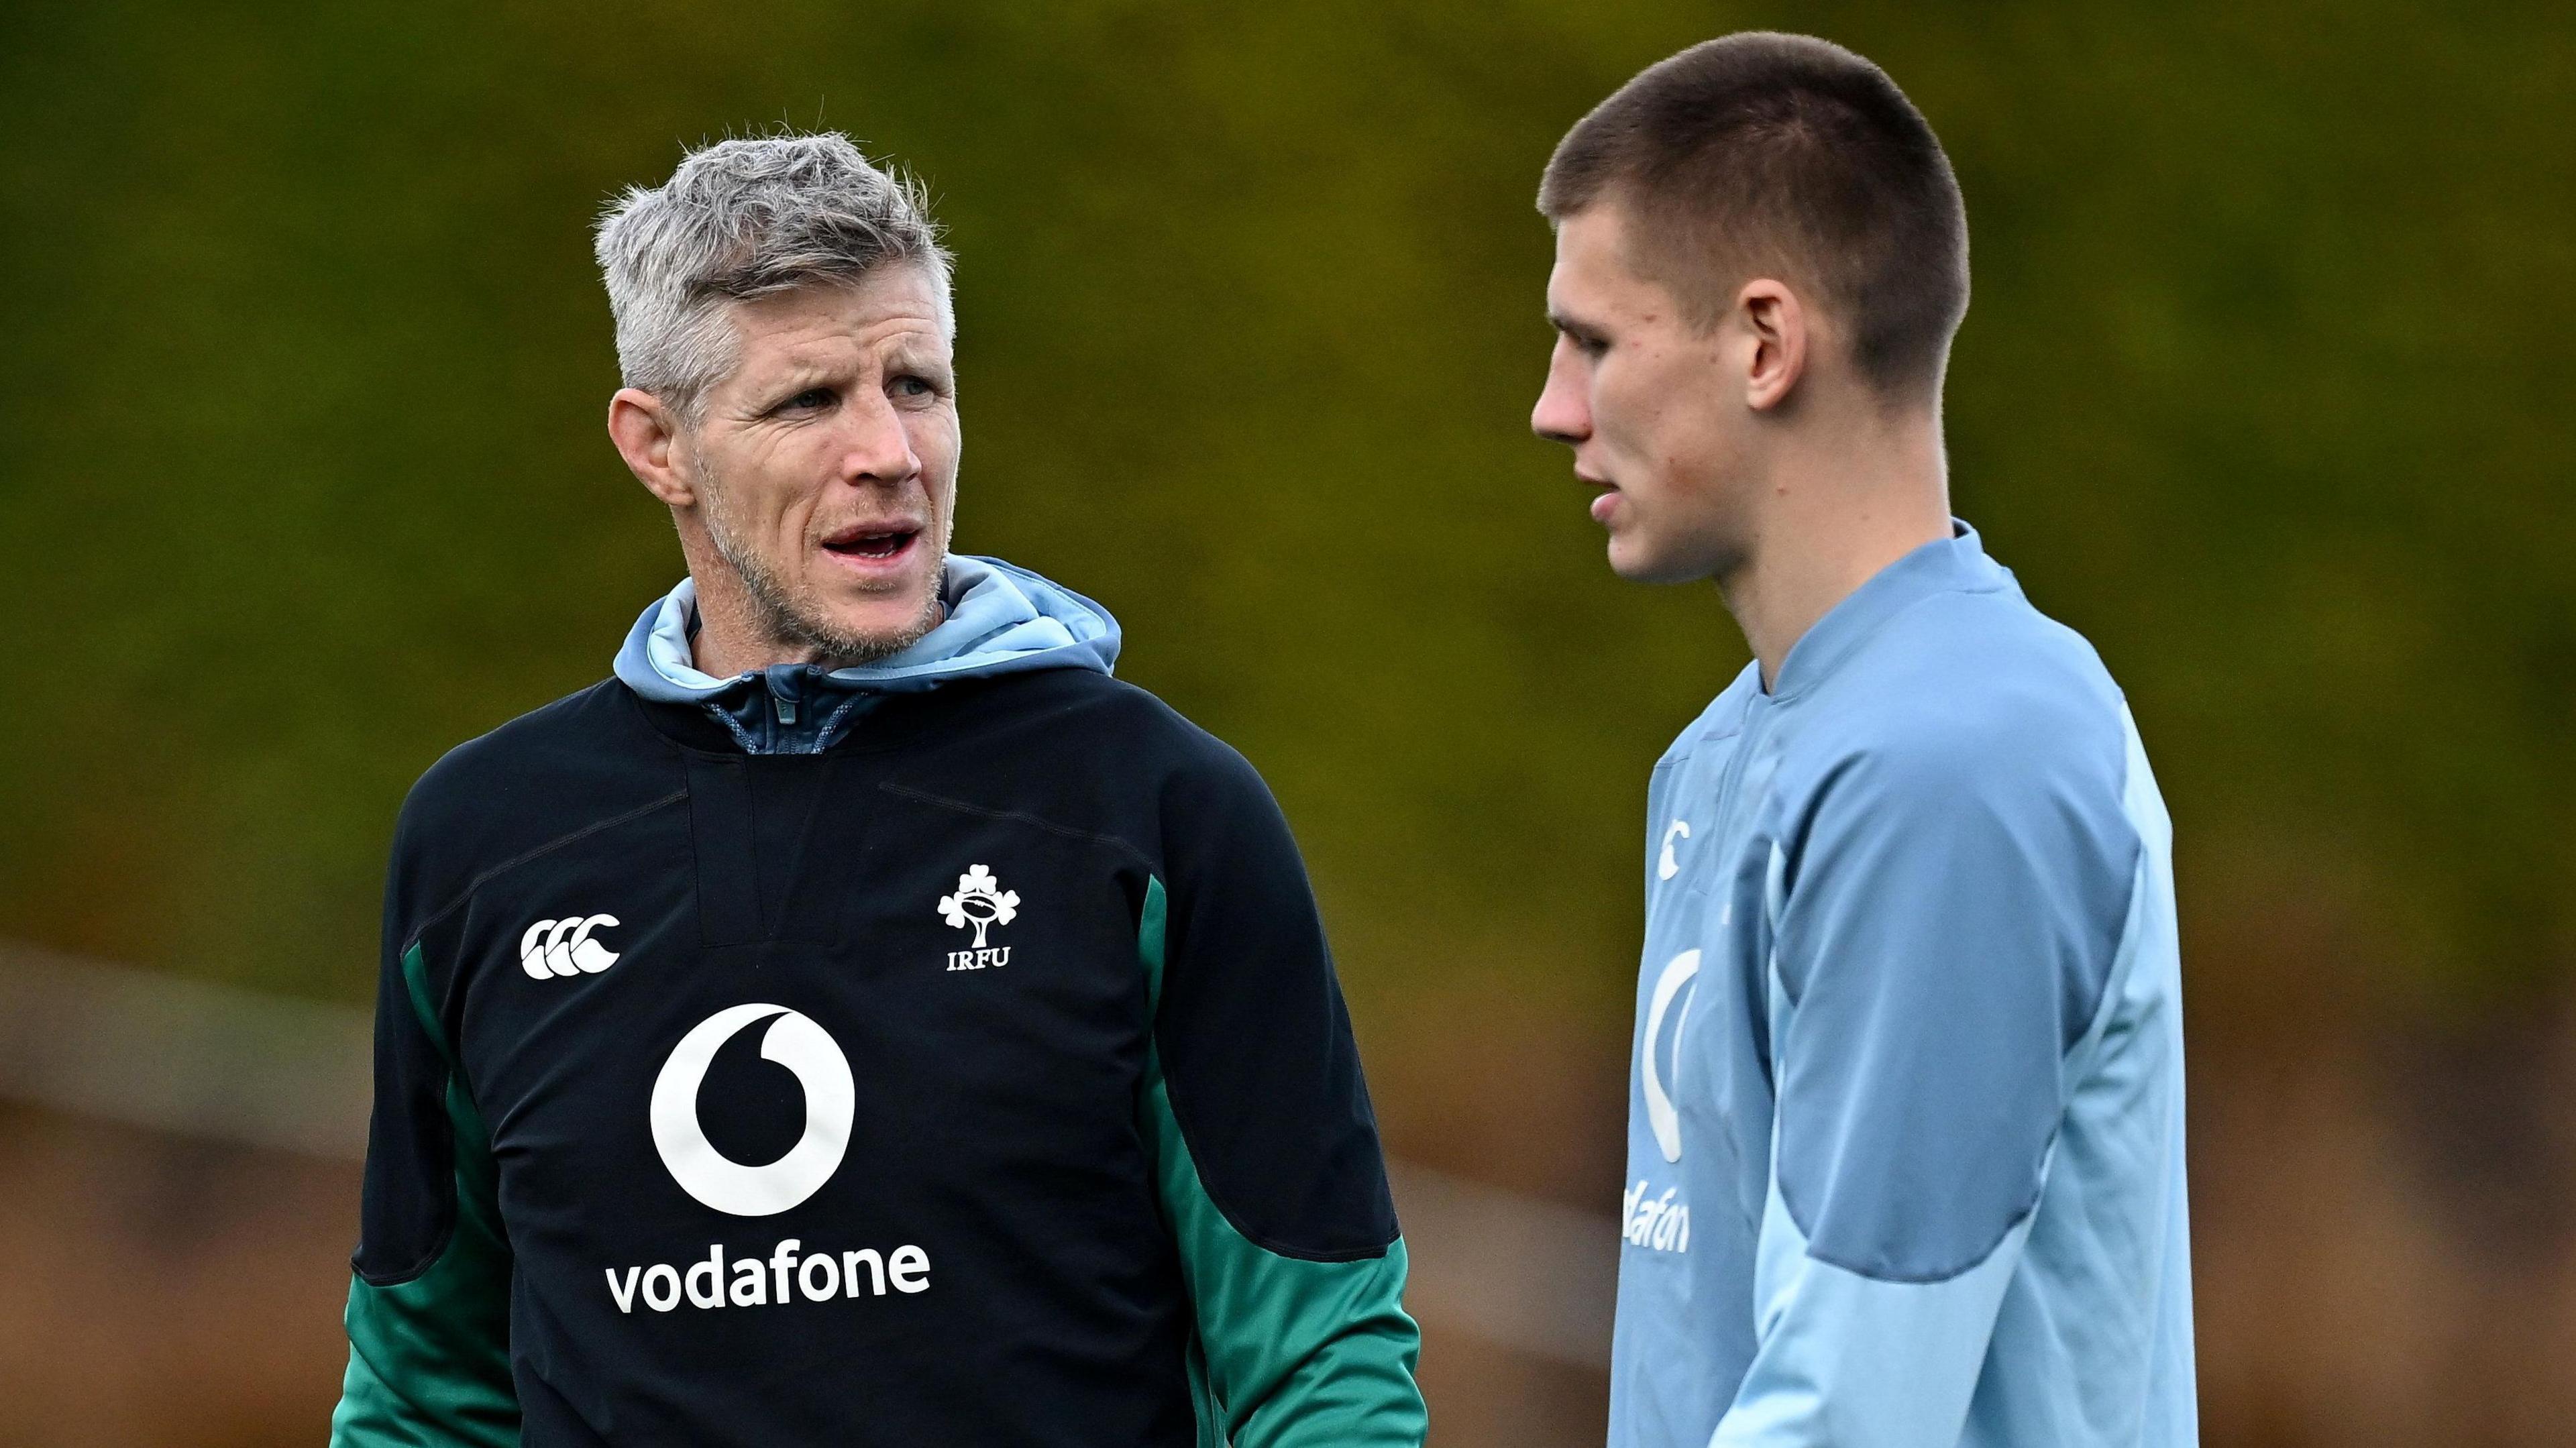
x: 1602, y: 505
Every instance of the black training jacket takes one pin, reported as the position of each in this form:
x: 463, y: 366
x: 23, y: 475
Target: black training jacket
x: 981, y: 1079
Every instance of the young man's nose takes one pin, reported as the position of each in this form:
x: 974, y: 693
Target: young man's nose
x: 1563, y: 413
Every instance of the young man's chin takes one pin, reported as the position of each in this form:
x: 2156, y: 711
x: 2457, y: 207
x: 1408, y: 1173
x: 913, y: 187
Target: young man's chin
x: 1636, y: 563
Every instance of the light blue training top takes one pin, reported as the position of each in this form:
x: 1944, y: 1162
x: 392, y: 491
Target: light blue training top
x: 1905, y: 1143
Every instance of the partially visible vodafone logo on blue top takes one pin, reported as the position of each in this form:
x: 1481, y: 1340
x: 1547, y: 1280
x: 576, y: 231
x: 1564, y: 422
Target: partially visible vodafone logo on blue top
x: 1662, y: 1117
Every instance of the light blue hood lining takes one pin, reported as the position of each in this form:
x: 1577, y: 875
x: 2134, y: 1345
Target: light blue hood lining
x: 1001, y: 620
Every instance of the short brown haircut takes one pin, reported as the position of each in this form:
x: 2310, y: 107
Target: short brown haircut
x: 1759, y: 151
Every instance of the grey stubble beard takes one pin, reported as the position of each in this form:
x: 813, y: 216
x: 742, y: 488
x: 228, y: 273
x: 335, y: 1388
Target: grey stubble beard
x: 791, y: 622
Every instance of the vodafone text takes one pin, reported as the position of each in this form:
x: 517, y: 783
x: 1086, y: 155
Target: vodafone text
x: 1658, y: 1224
x: 820, y: 1277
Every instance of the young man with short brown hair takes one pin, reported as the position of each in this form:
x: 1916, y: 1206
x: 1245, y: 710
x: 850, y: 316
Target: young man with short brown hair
x: 1906, y: 1132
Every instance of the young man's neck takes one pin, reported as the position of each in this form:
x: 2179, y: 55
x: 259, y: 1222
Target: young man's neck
x: 1836, y: 515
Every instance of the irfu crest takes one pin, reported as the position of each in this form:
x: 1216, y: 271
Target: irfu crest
x: 979, y: 902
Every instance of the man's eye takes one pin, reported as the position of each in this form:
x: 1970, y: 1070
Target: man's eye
x: 812, y: 399
x: 914, y: 386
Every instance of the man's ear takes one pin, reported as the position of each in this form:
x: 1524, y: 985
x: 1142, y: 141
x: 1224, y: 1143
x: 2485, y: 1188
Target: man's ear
x: 1777, y: 322
x: 648, y: 437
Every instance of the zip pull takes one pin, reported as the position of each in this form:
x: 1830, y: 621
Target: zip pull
x: 782, y: 681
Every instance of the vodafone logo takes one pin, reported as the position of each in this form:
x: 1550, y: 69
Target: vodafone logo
x: 831, y: 1099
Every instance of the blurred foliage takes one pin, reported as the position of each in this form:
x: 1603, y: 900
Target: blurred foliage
x: 2264, y: 388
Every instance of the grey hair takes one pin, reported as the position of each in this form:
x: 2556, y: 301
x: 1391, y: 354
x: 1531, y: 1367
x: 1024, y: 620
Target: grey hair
x: 745, y: 218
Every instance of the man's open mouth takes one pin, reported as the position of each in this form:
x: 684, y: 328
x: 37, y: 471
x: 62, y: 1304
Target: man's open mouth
x: 871, y: 543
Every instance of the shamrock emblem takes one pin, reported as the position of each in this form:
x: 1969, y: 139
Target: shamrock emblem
x: 979, y: 902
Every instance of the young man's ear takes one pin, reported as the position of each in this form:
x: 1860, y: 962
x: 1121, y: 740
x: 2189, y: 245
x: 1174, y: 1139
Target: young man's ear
x: 648, y: 437
x: 1774, y: 319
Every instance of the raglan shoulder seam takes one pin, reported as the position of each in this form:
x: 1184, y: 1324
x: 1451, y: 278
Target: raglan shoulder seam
x: 488, y: 875
x: 1024, y: 817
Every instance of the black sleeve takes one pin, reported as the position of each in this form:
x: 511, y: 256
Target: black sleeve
x: 407, y: 1204
x: 428, y: 1314
x: 1255, y: 1041
x: 1265, y: 1150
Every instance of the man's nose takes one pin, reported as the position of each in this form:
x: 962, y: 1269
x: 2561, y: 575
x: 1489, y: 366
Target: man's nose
x: 878, y: 449
x: 1563, y: 413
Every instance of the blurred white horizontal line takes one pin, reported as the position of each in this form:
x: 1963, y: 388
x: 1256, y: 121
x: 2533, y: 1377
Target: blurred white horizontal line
x: 227, y: 1064
x: 184, y: 1056
x: 1519, y: 1272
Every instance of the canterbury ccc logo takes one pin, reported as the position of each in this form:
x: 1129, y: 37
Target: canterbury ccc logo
x: 831, y: 1099
x: 564, y: 947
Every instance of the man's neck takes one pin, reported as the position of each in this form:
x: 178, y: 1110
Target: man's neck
x: 734, y: 636
x: 730, y: 640
x: 1836, y: 518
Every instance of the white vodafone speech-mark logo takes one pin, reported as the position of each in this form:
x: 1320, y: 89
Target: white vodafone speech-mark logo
x: 831, y: 1099
x: 1660, y: 1114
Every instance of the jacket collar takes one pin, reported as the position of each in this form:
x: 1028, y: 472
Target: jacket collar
x: 1001, y: 620
x: 1956, y: 564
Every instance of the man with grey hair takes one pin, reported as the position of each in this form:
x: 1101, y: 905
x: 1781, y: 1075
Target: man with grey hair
x: 861, y: 1019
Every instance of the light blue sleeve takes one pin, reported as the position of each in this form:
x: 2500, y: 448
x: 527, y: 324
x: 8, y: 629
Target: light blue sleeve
x: 1947, y: 910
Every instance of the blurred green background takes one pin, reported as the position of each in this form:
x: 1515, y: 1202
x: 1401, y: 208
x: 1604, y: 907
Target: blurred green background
x: 2265, y: 388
